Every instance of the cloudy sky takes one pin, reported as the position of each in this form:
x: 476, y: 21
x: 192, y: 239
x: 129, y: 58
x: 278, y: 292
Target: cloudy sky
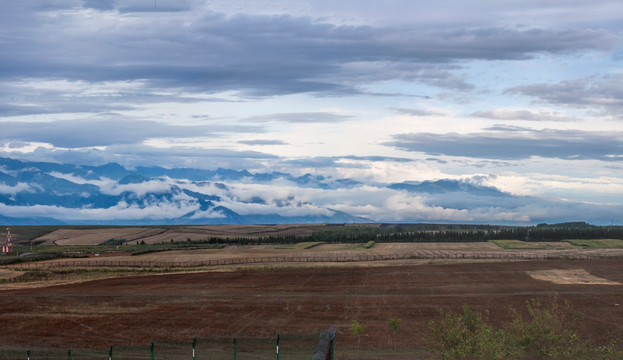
x: 522, y: 95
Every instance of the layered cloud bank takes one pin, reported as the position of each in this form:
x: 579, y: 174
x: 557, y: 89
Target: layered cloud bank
x: 48, y: 193
x: 317, y: 108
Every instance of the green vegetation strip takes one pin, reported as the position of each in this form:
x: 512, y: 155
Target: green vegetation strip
x: 598, y: 243
x: 517, y: 244
x: 368, y: 245
x: 301, y: 245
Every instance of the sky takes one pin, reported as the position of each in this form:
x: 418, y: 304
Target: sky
x: 524, y: 96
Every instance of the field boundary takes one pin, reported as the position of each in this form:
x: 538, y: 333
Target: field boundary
x: 418, y: 255
x: 288, y: 346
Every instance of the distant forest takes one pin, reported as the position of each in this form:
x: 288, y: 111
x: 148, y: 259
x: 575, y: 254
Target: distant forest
x: 437, y: 233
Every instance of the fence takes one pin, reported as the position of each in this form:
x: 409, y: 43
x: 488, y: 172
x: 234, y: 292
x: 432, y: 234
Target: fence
x: 282, y: 347
x: 424, y: 254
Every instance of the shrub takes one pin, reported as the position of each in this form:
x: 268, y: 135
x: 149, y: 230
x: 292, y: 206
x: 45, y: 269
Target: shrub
x: 358, y: 329
x: 549, y: 331
x: 394, y: 325
x: 468, y: 335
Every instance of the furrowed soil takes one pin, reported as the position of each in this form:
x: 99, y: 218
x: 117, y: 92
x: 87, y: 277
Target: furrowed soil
x: 263, y: 302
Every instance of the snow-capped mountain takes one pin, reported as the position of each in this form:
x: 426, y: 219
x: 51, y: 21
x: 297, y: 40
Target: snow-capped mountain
x: 51, y: 193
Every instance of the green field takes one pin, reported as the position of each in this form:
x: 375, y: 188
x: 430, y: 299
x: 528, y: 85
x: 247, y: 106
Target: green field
x: 529, y: 245
x: 598, y: 243
x: 368, y: 245
x: 301, y: 245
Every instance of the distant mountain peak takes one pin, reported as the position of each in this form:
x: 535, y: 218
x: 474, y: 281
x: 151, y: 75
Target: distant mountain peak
x: 447, y: 186
x: 133, y: 179
x: 110, y: 194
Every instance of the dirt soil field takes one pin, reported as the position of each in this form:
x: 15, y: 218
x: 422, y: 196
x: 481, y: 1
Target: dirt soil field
x: 179, y: 233
x: 261, y: 303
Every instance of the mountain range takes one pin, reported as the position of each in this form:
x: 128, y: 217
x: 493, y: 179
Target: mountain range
x: 37, y: 193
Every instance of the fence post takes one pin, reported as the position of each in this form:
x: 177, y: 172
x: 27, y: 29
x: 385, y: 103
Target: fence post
x: 194, y: 346
x: 151, y: 350
x: 277, y: 346
x: 234, y: 348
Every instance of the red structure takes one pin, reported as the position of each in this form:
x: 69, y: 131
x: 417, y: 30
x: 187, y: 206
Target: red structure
x: 7, y: 248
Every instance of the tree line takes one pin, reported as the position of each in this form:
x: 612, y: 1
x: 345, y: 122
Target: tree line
x: 433, y: 233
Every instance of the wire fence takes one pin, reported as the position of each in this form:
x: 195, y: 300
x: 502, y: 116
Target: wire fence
x: 424, y: 254
x: 282, y: 347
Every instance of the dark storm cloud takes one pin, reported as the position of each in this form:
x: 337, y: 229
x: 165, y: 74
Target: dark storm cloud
x: 85, y: 133
x: 561, y: 144
x: 258, y: 55
x: 598, y: 92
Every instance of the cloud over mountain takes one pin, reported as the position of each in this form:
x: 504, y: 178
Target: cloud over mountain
x: 43, y: 193
x: 308, y: 110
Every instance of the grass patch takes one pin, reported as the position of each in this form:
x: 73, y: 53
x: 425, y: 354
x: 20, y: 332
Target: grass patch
x: 78, y: 273
x: 301, y: 245
x: 598, y: 243
x: 149, y: 250
x: 112, y: 242
x: 369, y: 244
x: 517, y: 244
x: 31, y: 275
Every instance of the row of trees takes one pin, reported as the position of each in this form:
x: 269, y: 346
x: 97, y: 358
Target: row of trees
x: 434, y: 233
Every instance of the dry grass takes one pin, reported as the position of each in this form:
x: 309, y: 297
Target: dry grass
x: 570, y: 277
x: 159, y: 235
x: 94, y: 236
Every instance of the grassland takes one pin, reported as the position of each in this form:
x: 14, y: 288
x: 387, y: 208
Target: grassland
x: 566, y: 244
x: 368, y: 245
x: 598, y: 243
x: 301, y: 245
x: 530, y: 245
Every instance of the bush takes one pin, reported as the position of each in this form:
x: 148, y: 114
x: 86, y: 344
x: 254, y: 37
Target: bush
x: 468, y: 335
x: 549, y: 331
x: 358, y: 329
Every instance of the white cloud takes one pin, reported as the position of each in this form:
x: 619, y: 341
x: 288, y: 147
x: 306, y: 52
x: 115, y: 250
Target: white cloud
x: 210, y: 214
x: 102, y: 182
x: 120, y: 212
x: 157, y: 186
x: 13, y: 190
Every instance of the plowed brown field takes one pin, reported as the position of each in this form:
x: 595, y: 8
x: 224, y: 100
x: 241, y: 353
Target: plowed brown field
x: 261, y: 303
